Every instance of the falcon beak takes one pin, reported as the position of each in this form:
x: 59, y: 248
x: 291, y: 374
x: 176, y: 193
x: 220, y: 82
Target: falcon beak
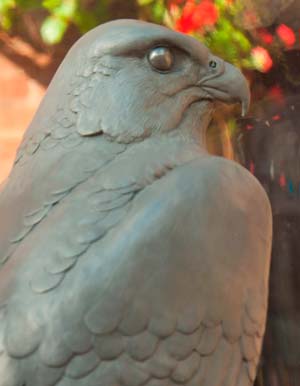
x: 228, y: 85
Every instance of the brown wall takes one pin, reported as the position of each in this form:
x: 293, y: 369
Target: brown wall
x: 19, y: 98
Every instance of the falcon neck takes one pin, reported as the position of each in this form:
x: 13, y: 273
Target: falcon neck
x: 193, y: 127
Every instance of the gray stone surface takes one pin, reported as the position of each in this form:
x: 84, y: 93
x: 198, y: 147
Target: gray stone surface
x: 130, y: 256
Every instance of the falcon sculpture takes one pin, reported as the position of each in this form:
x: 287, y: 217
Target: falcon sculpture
x: 129, y: 255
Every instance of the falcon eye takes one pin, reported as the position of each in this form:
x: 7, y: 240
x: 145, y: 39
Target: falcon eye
x: 212, y: 64
x: 161, y: 58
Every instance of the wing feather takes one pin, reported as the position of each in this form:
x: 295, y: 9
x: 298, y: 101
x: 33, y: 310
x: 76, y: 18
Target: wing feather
x: 159, y: 304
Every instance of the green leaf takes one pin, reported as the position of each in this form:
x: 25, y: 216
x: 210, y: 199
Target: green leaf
x: 85, y: 20
x: 241, y: 39
x: 158, y: 11
x: 28, y: 4
x: 5, y: 5
x: 66, y: 10
x: 145, y: 2
x: 53, y: 29
x: 5, y: 22
x: 225, y: 25
x: 221, y: 38
x: 248, y: 63
x: 51, y: 4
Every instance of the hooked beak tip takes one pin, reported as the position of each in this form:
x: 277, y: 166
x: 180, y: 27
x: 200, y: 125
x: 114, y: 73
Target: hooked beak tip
x: 230, y: 86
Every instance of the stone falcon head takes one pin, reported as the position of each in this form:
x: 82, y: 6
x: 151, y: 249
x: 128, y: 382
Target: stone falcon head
x: 129, y: 80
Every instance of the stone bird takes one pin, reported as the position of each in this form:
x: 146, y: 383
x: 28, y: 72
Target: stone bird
x: 130, y: 256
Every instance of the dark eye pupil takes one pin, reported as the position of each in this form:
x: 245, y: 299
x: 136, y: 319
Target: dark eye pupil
x: 161, y: 58
x: 213, y: 64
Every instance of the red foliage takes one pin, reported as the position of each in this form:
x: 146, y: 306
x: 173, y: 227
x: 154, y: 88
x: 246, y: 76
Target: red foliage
x: 282, y: 180
x: 276, y: 117
x: 286, y: 35
x: 261, y: 59
x: 197, y: 16
x: 265, y: 36
x: 276, y: 94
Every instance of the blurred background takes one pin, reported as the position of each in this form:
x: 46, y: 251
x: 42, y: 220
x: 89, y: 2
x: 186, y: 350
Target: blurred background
x: 262, y: 37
